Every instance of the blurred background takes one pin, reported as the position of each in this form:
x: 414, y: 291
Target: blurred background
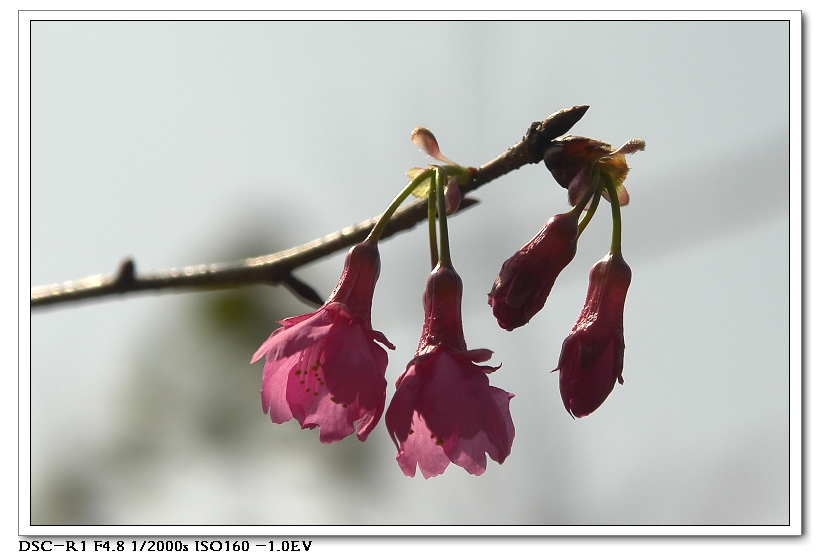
x: 180, y: 143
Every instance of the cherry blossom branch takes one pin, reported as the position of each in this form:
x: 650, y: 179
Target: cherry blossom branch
x: 277, y: 268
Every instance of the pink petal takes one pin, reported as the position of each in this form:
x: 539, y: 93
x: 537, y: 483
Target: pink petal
x: 623, y: 195
x: 296, y: 334
x: 333, y: 420
x: 308, y: 398
x: 274, y: 385
x: 495, y: 437
x: 420, y: 449
x: 469, y: 453
x: 455, y: 396
x: 399, y: 416
x: 381, y: 338
x: 502, y: 399
x: 353, y: 363
x: 479, y: 356
x: 353, y: 369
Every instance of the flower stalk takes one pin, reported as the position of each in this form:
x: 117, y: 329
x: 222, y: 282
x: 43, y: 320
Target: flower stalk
x: 444, y: 236
x: 431, y: 226
x: 381, y: 224
x: 615, y: 247
x: 595, y: 192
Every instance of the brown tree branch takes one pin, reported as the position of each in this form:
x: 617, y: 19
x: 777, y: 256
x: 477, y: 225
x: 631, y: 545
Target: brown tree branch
x: 277, y: 268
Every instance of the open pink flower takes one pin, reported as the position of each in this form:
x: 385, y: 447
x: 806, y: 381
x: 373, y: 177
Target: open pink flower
x: 526, y: 278
x: 444, y: 409
x: 592, y: 356
x: 325, y: 368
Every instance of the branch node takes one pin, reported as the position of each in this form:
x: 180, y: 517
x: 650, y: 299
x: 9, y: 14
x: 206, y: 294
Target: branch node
x: 301, y: 290
x: 125, y: 276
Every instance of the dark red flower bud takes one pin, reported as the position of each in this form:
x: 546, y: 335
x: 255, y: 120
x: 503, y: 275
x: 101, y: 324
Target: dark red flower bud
x: 527, y: 277
x: 592, y: 356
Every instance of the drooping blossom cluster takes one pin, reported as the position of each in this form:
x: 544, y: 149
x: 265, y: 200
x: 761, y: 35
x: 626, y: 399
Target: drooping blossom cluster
x: 592, y: 356
x: 326, y: 369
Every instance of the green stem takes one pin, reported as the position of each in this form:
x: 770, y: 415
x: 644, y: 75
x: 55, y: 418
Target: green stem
x: 590, y: 213
x: 615, y: 248
x: 444, y: 237
x: 376, y: 232
x: 595, y: 191
x: 431, y: 223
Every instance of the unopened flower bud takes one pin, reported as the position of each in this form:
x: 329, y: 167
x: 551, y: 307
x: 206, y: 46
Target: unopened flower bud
x: 592, y: 356
x: 526, y: 278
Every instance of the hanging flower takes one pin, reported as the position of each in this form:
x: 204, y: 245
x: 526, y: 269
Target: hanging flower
x: 526, y: 278
x: 592, y: 356
x: 325, y: 369
x: 444, y: 409
x: 570, y: 160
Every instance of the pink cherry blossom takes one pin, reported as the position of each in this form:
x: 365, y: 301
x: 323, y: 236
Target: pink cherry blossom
x: 592, y: 356
x: 444, y: 409
x: 526, y: 279
x: 325, y: 369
